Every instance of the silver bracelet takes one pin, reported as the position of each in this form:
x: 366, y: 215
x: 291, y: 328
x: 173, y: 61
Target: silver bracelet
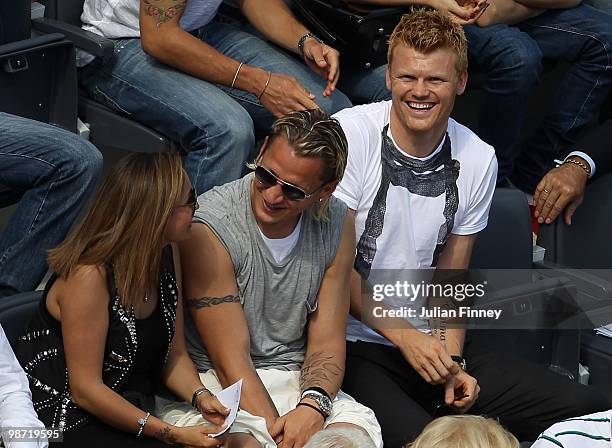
x: 236, y: 75
x: 266, y: 86
x: 303, y: 39
x: 142, y: 422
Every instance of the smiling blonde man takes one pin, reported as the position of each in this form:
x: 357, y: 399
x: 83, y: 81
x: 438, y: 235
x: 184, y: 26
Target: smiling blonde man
x: 420, y: 187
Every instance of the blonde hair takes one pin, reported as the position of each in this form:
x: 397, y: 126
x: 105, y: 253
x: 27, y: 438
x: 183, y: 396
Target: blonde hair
x: 340, y: 438
x: 427, y: 30
x: 125, y: 224
x: 314, y: 134
x: 464, y: 431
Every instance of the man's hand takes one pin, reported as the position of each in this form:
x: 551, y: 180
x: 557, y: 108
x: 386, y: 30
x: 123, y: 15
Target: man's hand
x: 296, y: 427
x: 324, y: 61
x: 285, y: 94
x: 462, y: 12
x: 461, y: 391
x: 427, y: 356
x: 561, y: 188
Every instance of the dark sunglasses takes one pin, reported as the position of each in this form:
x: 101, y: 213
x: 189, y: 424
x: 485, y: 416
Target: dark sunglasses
x: 192, y: 200
x: 268, y: 179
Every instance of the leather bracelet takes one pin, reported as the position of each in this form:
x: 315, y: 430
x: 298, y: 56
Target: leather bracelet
x: 236, y: 75
x: 266, y: 86
x: 317, y: 389
x: 196, y: 394
x: 313, y: 407
x: 580, y: 163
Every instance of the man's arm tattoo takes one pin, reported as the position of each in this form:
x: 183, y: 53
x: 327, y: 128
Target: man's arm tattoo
x: 163, y: 10
x: 207, y: 302
x: 166, y: 435
x: 320, y: 370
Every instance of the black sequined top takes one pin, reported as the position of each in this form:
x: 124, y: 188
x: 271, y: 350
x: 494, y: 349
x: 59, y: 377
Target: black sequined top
x: 134, y: 355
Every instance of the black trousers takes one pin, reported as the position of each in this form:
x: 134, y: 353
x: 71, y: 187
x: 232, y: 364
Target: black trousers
x: 526, y: 397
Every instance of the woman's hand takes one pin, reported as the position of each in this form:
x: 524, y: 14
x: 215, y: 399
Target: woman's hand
x: 211, y: 408
x: 197, y: 436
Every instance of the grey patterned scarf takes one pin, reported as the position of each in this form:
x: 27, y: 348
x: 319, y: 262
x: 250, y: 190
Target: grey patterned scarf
x: 401, y: 170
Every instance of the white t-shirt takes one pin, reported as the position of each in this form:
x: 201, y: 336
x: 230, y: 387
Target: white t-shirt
x: 411, y: 222
x: 16, y: 409
x: 588, y: 431
x: 120, y: 18
x: 281, y: 247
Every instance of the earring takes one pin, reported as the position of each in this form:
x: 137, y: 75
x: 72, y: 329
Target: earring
x: 320, y: 199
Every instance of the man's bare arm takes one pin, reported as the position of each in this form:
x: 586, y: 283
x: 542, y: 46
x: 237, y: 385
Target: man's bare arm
x: 163, y: 38
x: 214, y: 304
x: 456, y: 255
x: 508, y: 12
x: 326, y: 347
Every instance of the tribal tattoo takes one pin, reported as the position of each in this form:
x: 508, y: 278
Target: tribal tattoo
x: 320, y: 370
x: 207, y: 302
x: 163, y: 10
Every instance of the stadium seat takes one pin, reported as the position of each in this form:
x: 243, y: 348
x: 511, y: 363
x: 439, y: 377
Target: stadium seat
x: 108, y: 128
x: 16, y: 311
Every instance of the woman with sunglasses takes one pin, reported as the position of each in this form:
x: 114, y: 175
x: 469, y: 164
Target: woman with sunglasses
x: 109, y: 328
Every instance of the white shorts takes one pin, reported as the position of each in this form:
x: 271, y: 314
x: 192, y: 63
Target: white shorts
x: 284, y: 389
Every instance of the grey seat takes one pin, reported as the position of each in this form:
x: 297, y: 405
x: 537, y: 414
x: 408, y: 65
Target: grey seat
x: 505, y: 246
x: 108, y: 128
x: 38, y: 77
x: 16, y: 311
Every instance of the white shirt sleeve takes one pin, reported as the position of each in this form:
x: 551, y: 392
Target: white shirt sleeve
x: 16, y: 409
x: 477, y: 213
x: 350, y: 188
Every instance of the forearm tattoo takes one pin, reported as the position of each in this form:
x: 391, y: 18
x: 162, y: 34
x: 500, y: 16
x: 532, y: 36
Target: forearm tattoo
x: 166, y: 435
x: 163, y: 10
x: 320, y: 370
x: 207, y: 302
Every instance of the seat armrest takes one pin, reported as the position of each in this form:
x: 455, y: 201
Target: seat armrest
x: 26, y: 44
x: 92, y: 43
x: 586, y: 280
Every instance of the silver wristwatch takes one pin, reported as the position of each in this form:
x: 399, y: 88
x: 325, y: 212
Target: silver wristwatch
x: 324, y: 403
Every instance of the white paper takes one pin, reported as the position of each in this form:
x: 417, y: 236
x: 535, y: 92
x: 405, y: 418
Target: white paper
x: 606, y: 330
x: 230, y: 398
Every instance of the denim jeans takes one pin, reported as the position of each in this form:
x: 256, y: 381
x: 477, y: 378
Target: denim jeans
x: 512, y: 58
x: 214, y: 124
x: 364, y: 87
x: 56, y: 172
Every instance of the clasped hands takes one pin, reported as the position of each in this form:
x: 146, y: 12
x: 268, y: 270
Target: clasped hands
x: 297, y: 426
x: 431, y: 361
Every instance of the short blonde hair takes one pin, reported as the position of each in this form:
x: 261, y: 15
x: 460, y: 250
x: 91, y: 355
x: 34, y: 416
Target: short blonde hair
x: 465, y: 431
x: 425, y: 31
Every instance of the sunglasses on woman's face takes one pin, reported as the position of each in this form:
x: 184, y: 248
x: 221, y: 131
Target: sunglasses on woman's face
x: 268, y: 179
x: 192, y: 200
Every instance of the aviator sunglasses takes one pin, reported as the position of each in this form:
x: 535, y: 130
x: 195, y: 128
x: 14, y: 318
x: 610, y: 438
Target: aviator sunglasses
x: 268, y: 179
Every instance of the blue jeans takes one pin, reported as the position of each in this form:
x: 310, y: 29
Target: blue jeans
x: 364, y: 87
x: 512, y: 58
x: 55, y: 172
x: 212, y: 123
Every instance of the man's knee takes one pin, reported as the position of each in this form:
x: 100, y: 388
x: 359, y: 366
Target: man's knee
x: 509, y: 55
x: 80, y: 159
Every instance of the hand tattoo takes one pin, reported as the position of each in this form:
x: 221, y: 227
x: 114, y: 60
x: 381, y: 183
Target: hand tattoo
x: 165, y: 435
x: 207, y: 302
x: 163, y: 10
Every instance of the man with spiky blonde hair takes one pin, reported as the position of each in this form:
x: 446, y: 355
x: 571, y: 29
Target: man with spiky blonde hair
x: 420, y: 186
